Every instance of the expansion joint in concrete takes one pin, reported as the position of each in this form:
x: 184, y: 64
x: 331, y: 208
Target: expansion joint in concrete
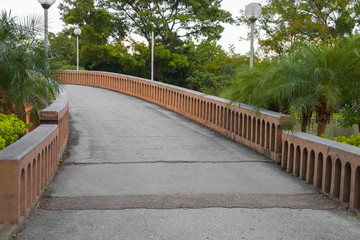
x: 191, y: 201
x: 167, y: 162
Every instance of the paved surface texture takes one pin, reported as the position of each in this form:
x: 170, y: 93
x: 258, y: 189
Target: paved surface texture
x: 138, y: 171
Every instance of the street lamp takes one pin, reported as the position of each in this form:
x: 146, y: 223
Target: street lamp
x: 77, y: 32
x: 152, y: 55
x: 152, y: 43
x: 252, y: 12
x: 46, y: 4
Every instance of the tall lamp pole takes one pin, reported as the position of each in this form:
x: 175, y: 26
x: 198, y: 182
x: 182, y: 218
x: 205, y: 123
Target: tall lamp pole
x: 77, y: 32
x: 252, y: 12
x: 46, y: 4
x: 152, y: 44
x: 152, y: 55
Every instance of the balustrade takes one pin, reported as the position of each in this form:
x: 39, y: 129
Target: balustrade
x: 27, y: 165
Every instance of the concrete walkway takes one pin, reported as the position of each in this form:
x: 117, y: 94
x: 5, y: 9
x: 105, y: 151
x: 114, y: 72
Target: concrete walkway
x: 138, y: 171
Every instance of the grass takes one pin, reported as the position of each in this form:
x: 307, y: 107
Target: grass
x: 332, y: 130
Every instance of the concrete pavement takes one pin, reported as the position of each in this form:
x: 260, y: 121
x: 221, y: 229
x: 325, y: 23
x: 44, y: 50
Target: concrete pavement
x: 138, y: 171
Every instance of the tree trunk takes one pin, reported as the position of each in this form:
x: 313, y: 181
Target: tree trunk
x: 323, y: 114
x: 321, y: 128
x: 2, y: 99
x: 305, y: 118
x: 303, y: 126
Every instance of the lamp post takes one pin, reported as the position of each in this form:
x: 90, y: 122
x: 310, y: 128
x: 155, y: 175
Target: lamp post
x: 77, y: 32
x: 252, y: 12
x: 152, y: 43
x: 46, y: 4
x: 152, y: 55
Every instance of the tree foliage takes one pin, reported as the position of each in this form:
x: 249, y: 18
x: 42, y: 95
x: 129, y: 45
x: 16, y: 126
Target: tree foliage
x: 213, y: 68
x: 25, y: 78
x: 106, y: 43
x: 349, y: 115
x: 352, y: 140
x: 288, y: 22
x: 96, y: 23
x: 98, y: 27
x: 64, y: 47
x: 11, y: 129
x: 311, y: 79
x: 173, y: 21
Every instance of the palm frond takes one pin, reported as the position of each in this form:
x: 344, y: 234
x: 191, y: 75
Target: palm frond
x: 24, y: 74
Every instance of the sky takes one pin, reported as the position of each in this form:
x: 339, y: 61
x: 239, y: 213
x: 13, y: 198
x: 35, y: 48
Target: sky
x: 231, y: 34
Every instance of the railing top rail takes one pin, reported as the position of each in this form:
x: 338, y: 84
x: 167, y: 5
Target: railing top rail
x: 27, y: 143
x: 142, y: 79
x: 61, y: 100
x: 53, y: 112
x: 324, y: 141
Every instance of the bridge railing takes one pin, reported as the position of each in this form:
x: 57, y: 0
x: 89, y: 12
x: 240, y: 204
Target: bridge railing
x: 330, y: 166
x: 58, y: 113
x: 27, y: 165
x: 258, y: 130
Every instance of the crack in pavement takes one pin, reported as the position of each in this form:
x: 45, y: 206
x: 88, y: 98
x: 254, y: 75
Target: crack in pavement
x: 194, y: 201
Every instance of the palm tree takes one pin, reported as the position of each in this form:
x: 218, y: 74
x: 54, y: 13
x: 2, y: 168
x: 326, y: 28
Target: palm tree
x: 320, y: 77
x: 25, y: 78
x: 255, y: 87
x: 311, y: 79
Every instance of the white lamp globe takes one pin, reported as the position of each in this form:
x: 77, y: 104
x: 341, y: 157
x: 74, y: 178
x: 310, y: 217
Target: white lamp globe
x: 77, y: 31
x: 46, y: 4
x: 253, y: 11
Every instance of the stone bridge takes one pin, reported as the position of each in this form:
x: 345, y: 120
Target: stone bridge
x: 152, y: 161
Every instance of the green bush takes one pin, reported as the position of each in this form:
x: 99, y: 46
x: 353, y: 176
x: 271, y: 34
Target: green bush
x: 11, y: 129
x: 352, y: 140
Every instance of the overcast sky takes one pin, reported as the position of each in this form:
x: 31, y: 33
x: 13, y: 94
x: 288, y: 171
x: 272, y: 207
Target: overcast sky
x: 231, y: 34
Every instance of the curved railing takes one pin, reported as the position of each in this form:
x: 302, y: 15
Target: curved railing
x: 330, y: 166
x: 27, y: 165
x: 58, y: 113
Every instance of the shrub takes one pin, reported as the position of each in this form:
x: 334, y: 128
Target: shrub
x: 349, y: 115
x: 11, y: 129
x: 352, y: 140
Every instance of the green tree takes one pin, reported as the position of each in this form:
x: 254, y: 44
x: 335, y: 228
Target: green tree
x: 257, y: 87
x: 213, y: 68
x: 349, y: 115
x: 312, y: 79
x: 64, y: 49
x: 288, y: 22
x: 173, y: 21
x: 98, y: 27
x: 25, y: 78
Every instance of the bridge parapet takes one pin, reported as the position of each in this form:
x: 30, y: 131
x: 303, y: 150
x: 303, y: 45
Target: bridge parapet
x: 260, y: 130
x: 27, y: 165
x: 330, y: 166
x: 58, y: 113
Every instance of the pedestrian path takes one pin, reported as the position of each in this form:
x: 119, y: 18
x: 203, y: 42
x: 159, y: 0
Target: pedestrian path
x: 138, y: 171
